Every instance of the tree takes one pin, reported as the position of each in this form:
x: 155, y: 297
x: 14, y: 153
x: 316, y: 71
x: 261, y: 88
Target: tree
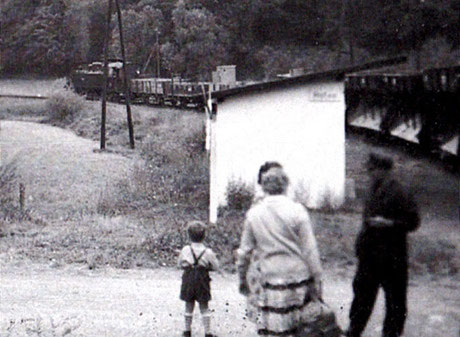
x: 97, y: 11
x: 77, y: 43
x: 403, y: 26
x: 13, y: 15
x: 140, y: 31
x: 196, y: 48
x: 35, y: 36
x: 47, y: 34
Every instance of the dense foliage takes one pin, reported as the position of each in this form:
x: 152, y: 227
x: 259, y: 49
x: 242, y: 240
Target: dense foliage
x: 191, y: 37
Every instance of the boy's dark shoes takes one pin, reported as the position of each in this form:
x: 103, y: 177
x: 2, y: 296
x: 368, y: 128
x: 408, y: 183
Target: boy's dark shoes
x: 187, y: 334
x: 244, y: 288
x: 210, y: 335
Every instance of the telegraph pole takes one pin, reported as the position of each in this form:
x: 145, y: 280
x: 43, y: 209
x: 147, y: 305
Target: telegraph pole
x: 346, y: 29
x: 125, y: 79
x: 158, y: 54
x: 106, y: 74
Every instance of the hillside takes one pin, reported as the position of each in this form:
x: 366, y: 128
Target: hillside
x: 64, y: 174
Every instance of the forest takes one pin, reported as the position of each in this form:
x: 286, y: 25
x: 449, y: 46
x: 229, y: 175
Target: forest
x: 263, y: 38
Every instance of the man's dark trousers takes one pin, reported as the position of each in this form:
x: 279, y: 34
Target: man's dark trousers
x: 373, y: 272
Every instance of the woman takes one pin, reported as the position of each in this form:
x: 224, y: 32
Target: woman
x: 278, y: 260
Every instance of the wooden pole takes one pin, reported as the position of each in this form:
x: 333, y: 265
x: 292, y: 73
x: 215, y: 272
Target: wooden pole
x: 158, y: 54
x: 125, y: 78
x: 22, y: 196
x: 106, y: 74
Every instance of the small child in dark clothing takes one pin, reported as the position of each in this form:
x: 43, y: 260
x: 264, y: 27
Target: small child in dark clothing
x: 197, y: 260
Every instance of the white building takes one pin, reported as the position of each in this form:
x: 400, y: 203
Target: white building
x: 299, y: 122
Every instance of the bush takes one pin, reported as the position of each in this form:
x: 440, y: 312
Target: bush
x: 239, y: 195
x: 64, y: 105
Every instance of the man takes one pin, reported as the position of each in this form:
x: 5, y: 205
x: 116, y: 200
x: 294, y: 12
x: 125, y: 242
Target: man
x: 381, y: 247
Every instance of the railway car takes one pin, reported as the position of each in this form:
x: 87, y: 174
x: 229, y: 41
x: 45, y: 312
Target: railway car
x: 417, y: 107
x: 441, y: 107
x: 176, y: 92
x: 173, y: 92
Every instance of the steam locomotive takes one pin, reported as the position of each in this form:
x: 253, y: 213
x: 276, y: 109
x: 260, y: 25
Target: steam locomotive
x: 88, y: 80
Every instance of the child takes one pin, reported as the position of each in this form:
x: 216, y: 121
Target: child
x: 196, y: 260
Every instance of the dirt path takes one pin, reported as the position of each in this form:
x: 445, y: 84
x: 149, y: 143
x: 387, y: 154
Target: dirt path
x: 53, y: 162
x: 75, y: 301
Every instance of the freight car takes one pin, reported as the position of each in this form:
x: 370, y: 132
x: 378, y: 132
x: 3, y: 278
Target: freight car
x: 176, y: 92
x: 419, y: 108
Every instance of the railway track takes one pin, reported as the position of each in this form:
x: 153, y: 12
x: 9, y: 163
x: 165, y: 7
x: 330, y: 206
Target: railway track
x: 24, y: 96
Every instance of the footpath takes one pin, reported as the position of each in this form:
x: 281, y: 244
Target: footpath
x: 39, y: 300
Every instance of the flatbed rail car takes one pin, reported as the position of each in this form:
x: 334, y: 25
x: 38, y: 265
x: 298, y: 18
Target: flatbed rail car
x: 421, y: 107
x: 173, y: 92
x: 145, y: 89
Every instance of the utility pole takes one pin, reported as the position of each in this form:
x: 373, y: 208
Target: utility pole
x: 125, y: 78
x: 347, y: 30
x: 106, y: 74
x: 158, y: 54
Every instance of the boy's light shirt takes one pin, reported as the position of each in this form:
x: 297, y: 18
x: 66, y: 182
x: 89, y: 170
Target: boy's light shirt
x: 208, y: 260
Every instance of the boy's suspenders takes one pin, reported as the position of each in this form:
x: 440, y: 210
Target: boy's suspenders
x: 197, y: 259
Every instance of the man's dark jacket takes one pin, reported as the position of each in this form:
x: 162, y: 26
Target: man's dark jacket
x: 388, y: 199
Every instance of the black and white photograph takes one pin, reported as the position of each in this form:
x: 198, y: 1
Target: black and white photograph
x: 219, y: 168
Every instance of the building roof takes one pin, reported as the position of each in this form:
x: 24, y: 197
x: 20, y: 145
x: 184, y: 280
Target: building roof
x: 393, y: 71
x: 334, y: 74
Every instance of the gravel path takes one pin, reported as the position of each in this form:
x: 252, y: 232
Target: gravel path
x: 75, y: 301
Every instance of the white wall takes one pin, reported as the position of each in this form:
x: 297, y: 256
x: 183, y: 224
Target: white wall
x: 302, y: 127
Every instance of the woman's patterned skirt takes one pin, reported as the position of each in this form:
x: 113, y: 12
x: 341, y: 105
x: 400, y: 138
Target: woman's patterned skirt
x: 283, y: 308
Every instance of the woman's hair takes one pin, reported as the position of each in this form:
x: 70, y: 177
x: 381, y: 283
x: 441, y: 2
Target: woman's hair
x: 196, y: 231
x: 265, y: 167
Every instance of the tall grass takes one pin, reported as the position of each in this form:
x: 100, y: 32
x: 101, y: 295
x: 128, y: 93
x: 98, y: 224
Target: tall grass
x: 15, y: 108
x: 435, y: 256
x: 174, y: 169
x: 9, y: 206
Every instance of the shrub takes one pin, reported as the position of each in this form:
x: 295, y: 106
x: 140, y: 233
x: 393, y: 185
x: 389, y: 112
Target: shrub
x: 328, y: 204
x: 239, y: 195
x: 64, y: 105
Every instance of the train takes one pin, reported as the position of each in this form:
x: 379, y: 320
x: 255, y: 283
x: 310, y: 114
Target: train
x: 88, y: 80
x: 421, y: 108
